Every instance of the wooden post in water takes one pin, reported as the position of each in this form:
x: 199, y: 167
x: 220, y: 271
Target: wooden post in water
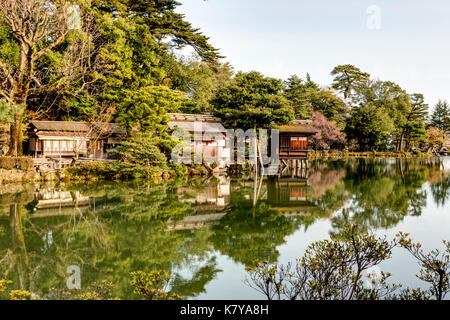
x: 294, y: 168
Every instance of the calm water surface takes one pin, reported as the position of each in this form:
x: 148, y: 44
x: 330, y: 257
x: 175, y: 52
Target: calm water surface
x: 205, y: 231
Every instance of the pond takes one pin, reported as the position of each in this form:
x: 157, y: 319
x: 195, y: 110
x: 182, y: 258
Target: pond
x: 204, y: 231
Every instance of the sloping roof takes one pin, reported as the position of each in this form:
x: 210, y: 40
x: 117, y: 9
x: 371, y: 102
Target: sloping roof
x: 299, y: 126
x: 193, y: 117
x: 61, y: 126
x: 77, y: 126
x: 301, y: 122
x: 185, y: 121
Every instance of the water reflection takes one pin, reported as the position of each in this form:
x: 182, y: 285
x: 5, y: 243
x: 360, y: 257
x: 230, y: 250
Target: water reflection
x: 110, y: 229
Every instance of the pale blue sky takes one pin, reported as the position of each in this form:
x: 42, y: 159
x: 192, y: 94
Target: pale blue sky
x: 284, y: 37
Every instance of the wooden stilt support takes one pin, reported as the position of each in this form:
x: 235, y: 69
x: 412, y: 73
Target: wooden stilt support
x: 293, y: 168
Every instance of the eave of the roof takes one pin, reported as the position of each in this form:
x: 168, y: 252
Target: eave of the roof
x: 74, y: 126
x: 193, y: 117
x: 298, y: 128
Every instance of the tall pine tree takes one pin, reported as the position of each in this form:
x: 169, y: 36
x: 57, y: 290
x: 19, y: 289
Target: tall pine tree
x: 440, y: 118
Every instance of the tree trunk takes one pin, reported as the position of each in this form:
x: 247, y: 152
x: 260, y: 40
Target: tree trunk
x: 400, y: 143
x: 260, y: 158
x: 16, y: 136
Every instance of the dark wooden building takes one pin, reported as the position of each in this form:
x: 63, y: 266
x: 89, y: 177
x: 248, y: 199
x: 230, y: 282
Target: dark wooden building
x: 294, y: 139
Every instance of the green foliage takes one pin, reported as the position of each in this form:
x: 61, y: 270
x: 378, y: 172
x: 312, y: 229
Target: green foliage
x: 348, y: 78
x: 99, y: 169
x: 139, y: 156
x: 370, y: 126
x: 198, y: 79
x: 8, y: 111
x: 298, y: 92
x: 118, y: 54
x: 262, y: 231
x: 125, y: 57
x: 306, y: 97
x: 440, y: 118
x: 252, y: 100
x: 163, y: 24
x: 390, y: 107
x: 140, y: 37
x: 131, y: 55
x: 9, y: 50
x: 146, y: 110
x: 331, y: 106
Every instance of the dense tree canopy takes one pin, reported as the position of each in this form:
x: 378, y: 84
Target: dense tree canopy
x: 370, y: 126
x: 386, y: 116
x: 169, y: 28
x: 330, y: 105
x: 145, y: 110
x: 198, y: 79
x: 307, y: 97
x: 298, y: 92
x: 253, y: 101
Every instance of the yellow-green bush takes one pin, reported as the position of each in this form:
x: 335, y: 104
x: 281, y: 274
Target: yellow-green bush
x: 23, y: 163
x: 20, y: 295
x: 7, y: 163
x: 98, y: 168
x: 153, y: 285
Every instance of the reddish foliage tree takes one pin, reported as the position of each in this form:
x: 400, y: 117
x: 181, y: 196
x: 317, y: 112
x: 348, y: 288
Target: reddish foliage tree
x: 328, y: 133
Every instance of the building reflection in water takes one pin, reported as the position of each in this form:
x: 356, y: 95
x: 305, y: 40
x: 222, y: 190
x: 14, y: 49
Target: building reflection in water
x: 54, y: 202
x: 211, y: 200
x: 291, y: 197
x: 208, y: 203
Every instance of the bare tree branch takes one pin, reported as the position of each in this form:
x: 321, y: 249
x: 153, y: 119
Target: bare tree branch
x: 39, y: 27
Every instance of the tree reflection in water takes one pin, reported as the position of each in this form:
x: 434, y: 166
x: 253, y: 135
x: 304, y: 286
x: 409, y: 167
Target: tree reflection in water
x: 110, y: 229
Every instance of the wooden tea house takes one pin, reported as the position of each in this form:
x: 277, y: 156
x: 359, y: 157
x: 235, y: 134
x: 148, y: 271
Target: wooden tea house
x: 68, y: 138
